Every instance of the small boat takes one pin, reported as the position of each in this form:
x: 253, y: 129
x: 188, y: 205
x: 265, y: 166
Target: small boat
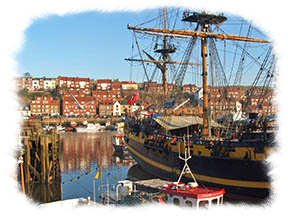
x: 119, y: 143
x: 90, y: 127
x: 191, y: 194
x: 111, y: 128
x: 120, y: 124
x: 70, y: 129
x: 60, y: 128
x: 48, y: 128
x: 73, y: 124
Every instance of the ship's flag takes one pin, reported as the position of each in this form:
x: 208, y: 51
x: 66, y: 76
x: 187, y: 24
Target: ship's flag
x: 98, y: 174
x: 134, y: 99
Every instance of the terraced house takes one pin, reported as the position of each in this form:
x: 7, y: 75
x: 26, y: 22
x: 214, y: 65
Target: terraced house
x: 45, y: 106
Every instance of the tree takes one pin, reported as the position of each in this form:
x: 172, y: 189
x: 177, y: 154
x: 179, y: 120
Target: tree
x: 27, y: 74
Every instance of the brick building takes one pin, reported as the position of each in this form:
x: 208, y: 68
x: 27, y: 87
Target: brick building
x: 36, y: 84
x: 73, y: 83
x: 71, y: 108
x: 45, y: 105
x: 105, y: 108
x: 103, y: 84
x: 190, y: 88
x: 24, y: 83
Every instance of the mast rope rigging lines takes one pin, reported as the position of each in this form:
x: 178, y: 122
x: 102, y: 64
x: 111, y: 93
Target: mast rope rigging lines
x: 244, y: 50
x: 220, y: 73
x: 267, y: 82
x: 239, y: 72
x: 141, y: 57
x: 156, y: 18
x: 131, y: 64
x: 255, y: 82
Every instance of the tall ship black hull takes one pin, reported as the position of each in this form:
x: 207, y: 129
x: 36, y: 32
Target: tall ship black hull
x: 238, y: 176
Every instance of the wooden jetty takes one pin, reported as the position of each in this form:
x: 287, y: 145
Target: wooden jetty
x: 41, y: 154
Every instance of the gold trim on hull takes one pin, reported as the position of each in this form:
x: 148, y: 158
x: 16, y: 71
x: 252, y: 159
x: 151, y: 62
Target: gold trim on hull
x: 222, y: 181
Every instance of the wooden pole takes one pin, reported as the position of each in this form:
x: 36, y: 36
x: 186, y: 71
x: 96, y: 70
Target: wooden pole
x: 199, y: 34
x: 205, y: 83
x: 43, y: 159
x: 22, y: 173
x: 27, y: 159
x: 165, y: 55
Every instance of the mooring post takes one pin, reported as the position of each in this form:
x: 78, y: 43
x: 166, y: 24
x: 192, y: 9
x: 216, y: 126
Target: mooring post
x: 43, y: 159
x: 27, y: 158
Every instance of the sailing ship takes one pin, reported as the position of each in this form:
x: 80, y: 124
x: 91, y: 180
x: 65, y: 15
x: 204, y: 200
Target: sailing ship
x: 233, y: 160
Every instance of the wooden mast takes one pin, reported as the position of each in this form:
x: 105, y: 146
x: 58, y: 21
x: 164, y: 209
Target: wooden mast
x: 199, y: 34
x: 204, y: 20
x: 165, y: 55
x: 204, y: 54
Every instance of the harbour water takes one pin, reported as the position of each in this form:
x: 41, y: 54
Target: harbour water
x: 83, y: 155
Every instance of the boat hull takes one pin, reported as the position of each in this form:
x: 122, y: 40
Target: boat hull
x: 236, y: 176
x: 120, y: 148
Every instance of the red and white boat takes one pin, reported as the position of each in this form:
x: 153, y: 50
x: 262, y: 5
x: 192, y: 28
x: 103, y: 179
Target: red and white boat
x: 191, y: 194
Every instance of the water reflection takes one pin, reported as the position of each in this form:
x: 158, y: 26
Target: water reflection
x: 81, y: 150
x: 44, y: 193
x: 83, y: 156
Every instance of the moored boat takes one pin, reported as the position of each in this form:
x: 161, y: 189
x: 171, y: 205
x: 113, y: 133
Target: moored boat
x: 189, y: 195
x: 90, y: 127
x: 119, y: 143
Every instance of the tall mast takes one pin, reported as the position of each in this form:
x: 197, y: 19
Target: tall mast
x: 204, y: 20
x: 204, y: 54
x: 165, y: 55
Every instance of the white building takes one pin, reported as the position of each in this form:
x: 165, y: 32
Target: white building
x: 35, y: 84
x: 116, y: 109
x: 126, y: 85
x: 25, y: 111
x: 49, y: 83
x: 199, y: 96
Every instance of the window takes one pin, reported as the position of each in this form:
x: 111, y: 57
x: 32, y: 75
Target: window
x: 176, y: 201
x: 188, y: 203
x: 214, y: 202
x: 204, y: 203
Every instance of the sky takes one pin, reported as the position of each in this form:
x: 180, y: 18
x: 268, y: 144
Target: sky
x: 95, y: 44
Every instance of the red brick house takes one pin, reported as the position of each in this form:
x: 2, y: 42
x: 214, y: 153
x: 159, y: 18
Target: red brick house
x: 74, y: 83
x: 103, y: 84
x: 70, y: 106
x: 190, y: 88
x: 45, y: 105
x: 105, y: 108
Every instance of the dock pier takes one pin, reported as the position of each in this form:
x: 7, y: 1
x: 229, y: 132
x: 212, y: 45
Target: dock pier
x: 41, y: 155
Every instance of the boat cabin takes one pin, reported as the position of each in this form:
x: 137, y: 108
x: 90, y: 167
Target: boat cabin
x: 119, y: 143
x: 119, y: 139
x: 191, y: 195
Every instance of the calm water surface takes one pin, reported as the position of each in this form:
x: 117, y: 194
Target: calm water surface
x: 83, y: 156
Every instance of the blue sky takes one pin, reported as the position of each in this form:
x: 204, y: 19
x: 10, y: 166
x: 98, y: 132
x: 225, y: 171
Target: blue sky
x: 85, y: 45
x: 94, y: 45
